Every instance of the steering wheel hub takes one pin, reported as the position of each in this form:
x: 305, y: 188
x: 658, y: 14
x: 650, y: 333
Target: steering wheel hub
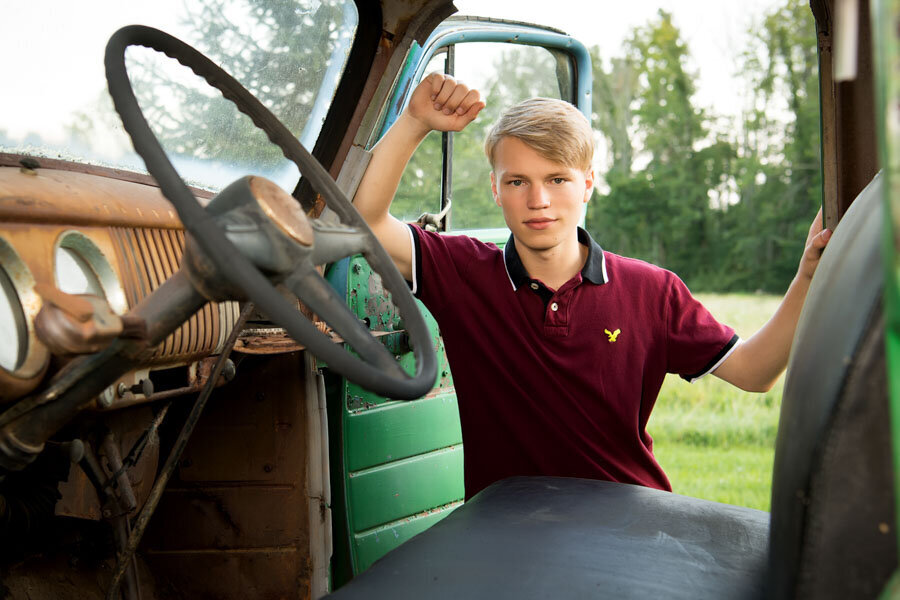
x: 283, y: 210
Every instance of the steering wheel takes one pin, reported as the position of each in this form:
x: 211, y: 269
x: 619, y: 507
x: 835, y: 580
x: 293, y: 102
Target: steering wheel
x: 375, y: 368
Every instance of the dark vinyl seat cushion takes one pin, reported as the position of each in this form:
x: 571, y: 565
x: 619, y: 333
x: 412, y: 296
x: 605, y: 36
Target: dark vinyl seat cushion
x: 552, y: 537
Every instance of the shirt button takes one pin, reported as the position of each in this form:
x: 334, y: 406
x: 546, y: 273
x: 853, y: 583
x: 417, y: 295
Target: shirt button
x: 554, y: 307
x: 534, y: 286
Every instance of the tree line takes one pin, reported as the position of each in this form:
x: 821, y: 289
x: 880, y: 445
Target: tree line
x: 724, y: 204
x: 725, y: 207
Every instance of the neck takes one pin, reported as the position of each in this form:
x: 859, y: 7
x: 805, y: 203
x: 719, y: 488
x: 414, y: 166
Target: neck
x: 554, y: 266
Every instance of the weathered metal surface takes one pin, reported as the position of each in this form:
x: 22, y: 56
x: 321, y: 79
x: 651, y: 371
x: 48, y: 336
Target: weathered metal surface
x: 283, y: 210
x: 238, y: 511
x: 399, y: 459
x: 396, y: 490
x: 34, y: 358
x: 386, y: 435
x: 227, y: 516
x: 52, y: 196
x: 373, y: 544
x: 79, y: 499
x: 75, y: 324
x: 849, y: 137
x: 35, y: 163
x: 150, y: 257
x: 141, y: 258
x: 225, y: 574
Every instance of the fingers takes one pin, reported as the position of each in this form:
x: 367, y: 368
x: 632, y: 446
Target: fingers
x: 813, y: 252
x: 818, y: 237
x: 450, y: 95
x: 820, y: 240
x: 442, y: 103
x: 815, y: 227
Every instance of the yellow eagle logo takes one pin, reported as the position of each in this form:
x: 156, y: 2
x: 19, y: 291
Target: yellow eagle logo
x: 612, y: 334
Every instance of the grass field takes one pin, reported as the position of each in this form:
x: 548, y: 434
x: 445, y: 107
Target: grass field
x: 713, y: 440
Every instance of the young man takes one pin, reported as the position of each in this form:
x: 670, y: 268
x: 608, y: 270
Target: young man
x: 558, y: 348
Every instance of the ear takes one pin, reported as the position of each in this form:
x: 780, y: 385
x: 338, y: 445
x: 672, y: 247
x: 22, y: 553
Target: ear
x: 494, y: 189
x: 588, y: 184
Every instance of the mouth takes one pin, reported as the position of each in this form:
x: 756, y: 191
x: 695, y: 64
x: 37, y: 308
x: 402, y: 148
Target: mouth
x: 540, y: 223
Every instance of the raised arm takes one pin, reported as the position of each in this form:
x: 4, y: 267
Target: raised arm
x: 438, y: 103
x: 757, y: 363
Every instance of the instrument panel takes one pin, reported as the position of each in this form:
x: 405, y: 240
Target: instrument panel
x: 108, y: 234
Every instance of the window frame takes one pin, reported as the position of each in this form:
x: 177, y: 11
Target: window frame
x: 460, y: 30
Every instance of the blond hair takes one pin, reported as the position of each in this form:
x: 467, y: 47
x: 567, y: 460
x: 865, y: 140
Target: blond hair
x: 555, y: 129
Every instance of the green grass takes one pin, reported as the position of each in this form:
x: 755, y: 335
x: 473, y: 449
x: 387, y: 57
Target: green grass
x: 713, y: 440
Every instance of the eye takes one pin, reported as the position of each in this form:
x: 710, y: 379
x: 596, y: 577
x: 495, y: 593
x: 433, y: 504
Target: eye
x: 559, y: 180
x: 515, y: 182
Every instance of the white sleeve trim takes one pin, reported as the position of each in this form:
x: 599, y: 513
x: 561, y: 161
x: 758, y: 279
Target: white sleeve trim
x: 719, y: 363
x: 412, y: 251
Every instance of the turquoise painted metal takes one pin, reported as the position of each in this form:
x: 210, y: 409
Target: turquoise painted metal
x: 885, y: 28
x: 455, y: 31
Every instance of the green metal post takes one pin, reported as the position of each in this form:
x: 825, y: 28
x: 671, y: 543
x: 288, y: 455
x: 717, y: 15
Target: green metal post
x: 885, y: 28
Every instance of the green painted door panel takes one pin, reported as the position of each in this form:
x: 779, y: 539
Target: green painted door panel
x: 397, y: 467
x: 391, y: 432
x: 398, y: 489
x: 374, y: 543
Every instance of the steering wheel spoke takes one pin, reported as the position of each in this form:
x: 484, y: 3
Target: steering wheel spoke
x: 320, y: 297
x: 336, y: 242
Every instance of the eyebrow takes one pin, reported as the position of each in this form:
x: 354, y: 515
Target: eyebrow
x: 523, y: 176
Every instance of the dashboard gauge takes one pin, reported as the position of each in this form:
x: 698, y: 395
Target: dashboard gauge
x: 81, y: 268
x: 22, y: 357
x: 13, y: 326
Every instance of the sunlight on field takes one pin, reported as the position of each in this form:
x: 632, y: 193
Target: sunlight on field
x: 713, y: 440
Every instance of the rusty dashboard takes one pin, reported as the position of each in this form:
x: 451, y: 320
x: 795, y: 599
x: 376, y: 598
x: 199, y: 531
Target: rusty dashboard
x: 110, y: 233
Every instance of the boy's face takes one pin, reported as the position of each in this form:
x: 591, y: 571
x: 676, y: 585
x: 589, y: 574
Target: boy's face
x: 542, y: 200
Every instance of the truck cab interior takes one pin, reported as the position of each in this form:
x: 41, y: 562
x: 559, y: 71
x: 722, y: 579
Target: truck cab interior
x: 215, y: 384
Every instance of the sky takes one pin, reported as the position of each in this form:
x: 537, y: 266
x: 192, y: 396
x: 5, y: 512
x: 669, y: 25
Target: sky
x: 71, y: 44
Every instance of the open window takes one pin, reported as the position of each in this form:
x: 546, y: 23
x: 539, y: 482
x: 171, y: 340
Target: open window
x: 447, y: 184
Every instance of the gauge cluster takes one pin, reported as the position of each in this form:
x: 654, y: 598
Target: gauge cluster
x: 23, y: 359
x: 87, y: 233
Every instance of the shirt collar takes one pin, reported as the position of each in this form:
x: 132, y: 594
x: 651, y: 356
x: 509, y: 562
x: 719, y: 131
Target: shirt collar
x: 594, y: 269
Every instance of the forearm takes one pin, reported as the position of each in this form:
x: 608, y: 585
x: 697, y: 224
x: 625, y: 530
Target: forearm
x: 757, y: 363
x: 389, y: 159
x: 379, y: 185
x: 438, y: 103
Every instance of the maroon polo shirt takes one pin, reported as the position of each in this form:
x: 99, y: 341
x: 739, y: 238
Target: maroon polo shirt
x: 561, y: 382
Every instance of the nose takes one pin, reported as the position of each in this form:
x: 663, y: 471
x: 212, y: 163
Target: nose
x: 538, y: 198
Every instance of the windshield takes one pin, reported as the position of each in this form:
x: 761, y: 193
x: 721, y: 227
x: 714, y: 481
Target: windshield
x: 289, y: 53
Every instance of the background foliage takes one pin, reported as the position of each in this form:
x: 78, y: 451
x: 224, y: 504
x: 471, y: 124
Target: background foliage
x: 723, y: 201
x: 726, y: 205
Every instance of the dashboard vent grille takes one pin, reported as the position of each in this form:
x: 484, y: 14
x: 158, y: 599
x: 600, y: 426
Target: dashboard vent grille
x: 148, y: 257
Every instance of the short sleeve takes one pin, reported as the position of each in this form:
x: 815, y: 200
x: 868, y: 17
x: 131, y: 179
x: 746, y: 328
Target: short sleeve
x: 441, y: 265
x: 696, y: 343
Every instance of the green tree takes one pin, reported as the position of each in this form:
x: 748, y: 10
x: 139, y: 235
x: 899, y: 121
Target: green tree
x: 779, y: 165
x: 660, y: 212
x: 286, y: 53
x: 613, y: 97
x: 727, y: 211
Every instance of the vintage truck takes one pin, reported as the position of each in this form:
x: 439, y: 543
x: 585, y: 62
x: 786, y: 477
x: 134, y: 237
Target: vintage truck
x: 214, y: 388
